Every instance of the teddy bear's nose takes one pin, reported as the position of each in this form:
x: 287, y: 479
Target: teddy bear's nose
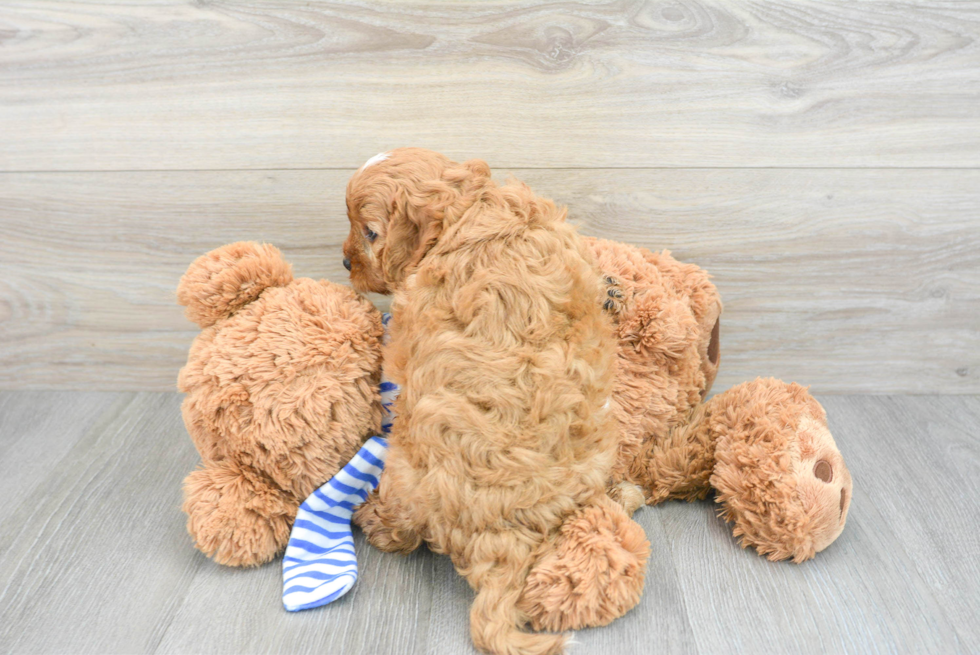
x: 346, y: 263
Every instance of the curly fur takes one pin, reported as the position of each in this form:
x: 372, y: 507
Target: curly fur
x: 502, y: 448
x: 281, y: 391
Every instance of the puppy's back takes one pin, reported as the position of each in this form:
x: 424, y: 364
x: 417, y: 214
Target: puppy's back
x: 507, y: 362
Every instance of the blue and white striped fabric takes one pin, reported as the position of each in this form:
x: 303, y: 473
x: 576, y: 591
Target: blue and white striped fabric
x: 320, y: 565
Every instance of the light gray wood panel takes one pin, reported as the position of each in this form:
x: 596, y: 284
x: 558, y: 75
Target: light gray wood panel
x: 860, y: 280
x: 844, y: 280
x: 90, y: 263
x: 887, y: 584
x: 36, y: 429
x: 101, y: 562
x: 414, y: 604
x: 98, y: 554
x: 277, y: 84
x: 932, y: 463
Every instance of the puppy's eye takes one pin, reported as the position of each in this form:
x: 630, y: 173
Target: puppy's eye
x: 370, y: 235
x: 823, y: 470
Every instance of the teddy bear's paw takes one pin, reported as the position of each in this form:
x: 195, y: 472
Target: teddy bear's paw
x: 233, y: 520
x: 382, y: 527
x: 593, y: 575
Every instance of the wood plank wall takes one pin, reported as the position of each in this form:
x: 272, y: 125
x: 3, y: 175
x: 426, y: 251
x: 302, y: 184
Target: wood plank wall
x: 821, y: 159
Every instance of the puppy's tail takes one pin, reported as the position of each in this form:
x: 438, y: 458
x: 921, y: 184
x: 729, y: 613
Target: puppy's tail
x: 495, y: 622
x: 226, y: 279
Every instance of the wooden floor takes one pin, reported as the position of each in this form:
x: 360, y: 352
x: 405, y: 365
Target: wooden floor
x: 94, y: 557
x: 821, y: 158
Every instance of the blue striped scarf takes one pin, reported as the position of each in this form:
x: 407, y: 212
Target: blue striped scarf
x: 320, y: 565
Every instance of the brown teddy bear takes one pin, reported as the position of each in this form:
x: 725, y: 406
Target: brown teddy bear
x: 282, y: 385
x: 282, y: 389
x: 763, y: 446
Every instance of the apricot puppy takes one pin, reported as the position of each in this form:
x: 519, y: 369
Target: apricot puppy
x: 504, y: 440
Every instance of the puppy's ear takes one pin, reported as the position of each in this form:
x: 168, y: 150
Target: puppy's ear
x: 410, y: 233
x: 477, y: 173
x: 419, y: 213
x: 457, y: 190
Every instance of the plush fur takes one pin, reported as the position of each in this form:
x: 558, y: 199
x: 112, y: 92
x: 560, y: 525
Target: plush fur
x: 281, y: 391
x: 793, y: 501
x: 504, y: 444
x: 666, y: 320
x: 763, y: 447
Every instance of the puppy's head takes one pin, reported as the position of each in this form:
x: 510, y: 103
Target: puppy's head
x: 399, y: 203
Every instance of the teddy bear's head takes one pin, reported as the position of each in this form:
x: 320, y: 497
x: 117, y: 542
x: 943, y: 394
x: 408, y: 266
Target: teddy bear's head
x: 281, y: 390
x: 778, y: 473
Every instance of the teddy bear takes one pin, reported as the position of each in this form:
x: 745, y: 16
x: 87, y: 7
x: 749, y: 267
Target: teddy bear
x: 763, y: 447
x: 282, y: 390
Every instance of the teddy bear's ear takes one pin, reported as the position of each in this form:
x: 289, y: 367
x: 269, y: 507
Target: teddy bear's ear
x: 226, y: 279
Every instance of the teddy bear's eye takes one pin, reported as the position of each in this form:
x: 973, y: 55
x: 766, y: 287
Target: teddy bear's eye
x: 370, y: 234
x: 823, y: 470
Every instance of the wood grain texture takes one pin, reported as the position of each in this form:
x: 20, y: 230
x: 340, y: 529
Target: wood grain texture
x: 849, y: 281
x: 911, y: 519
x: 34, y: 425
x: 90, y: 565
x: 94, y: 558
x: 277, y: 84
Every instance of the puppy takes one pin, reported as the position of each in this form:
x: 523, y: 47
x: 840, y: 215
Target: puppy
x: 504, y: 441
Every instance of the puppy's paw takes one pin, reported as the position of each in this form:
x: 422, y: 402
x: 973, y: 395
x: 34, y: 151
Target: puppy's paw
x: 628, y: 496
x: 614, y: 300
x: 594, y: 573
x: 382, y: 529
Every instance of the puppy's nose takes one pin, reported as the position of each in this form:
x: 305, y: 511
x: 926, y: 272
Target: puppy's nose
x: 346, y: 263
